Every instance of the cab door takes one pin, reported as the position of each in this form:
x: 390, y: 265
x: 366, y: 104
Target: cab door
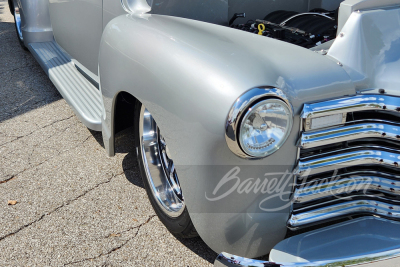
x: 77, y: 28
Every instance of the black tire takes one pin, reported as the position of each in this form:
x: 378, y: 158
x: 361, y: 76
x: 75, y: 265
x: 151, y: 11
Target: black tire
x: 181, y: 226
x: 11, y: 6
x: 21, y: 43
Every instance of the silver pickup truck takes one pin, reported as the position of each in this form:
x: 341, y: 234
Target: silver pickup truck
x: 263, y: 126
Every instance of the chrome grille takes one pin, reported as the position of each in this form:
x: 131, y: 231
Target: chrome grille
x: 352, y: 168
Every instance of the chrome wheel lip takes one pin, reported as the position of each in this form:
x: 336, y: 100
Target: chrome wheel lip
x: 163, y: 187
x: 17, y: 17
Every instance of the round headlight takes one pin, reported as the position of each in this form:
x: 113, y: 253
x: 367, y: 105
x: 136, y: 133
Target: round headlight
x: 265, y: 127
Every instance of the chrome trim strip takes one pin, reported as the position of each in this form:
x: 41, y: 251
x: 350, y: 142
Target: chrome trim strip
x: 351, y: 104
x: 353, y: 158
x: 342, y: 210
x: 133, y: 7
x: 240, y: 107
x: 226, y: 259
x: 348, y: 133
x: 324, y: 188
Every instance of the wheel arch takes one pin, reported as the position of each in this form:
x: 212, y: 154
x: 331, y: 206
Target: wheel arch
x: 188, y: 74
x: 121, y: 117
x: 124, y: 111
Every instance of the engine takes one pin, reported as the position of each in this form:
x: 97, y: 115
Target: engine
x: 303, y: 29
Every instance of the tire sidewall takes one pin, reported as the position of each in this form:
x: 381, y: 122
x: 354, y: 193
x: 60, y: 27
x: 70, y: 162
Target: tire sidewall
x: 11, y: 6
x: 180, y: 225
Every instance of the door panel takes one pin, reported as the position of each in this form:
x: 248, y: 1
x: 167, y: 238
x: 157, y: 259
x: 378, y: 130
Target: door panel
x: 77, y: 28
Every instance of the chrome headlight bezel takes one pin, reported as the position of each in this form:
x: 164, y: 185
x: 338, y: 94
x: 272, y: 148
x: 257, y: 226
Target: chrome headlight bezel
x: 239, y: 109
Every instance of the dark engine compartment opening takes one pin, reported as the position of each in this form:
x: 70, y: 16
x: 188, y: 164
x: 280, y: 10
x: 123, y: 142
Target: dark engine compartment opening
x: 308, y: 30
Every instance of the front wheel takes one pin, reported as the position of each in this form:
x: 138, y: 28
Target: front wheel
x: 17, y: 19
x: 159, y: 175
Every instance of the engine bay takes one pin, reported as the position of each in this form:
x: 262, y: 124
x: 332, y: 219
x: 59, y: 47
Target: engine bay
x: 307, y: 29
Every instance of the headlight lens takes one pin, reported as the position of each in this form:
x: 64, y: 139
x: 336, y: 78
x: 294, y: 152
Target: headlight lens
x: 265, y: 127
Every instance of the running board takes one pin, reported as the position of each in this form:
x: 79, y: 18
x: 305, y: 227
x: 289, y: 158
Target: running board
x: 80, y: 94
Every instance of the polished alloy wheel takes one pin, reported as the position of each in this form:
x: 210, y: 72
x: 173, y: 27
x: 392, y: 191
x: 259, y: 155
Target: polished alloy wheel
x: 17, y: 17
x: 159, y: 167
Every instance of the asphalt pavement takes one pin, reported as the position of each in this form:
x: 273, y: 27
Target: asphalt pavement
x: 62, y: 200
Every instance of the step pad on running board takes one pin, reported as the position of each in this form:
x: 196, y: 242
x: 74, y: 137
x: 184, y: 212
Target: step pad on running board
x: 81, y: 95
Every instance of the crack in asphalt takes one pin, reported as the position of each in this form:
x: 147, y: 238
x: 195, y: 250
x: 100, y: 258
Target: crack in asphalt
x: 40, y: 128
x: 117, y: 247
x: 12, y: 176
x: 43, y: 162
x: 7, y: 180
x: 51, y: 136
x: 22, y: 104
x: 14, y: 112
x: 66, y: 203
x: 22, y: 227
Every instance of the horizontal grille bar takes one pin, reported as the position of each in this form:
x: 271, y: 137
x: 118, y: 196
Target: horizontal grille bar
x: 347, y: 159
x: 351, y: 104
x: 341, y: 210
x: 334, y: 187
x: 349, y: 133
x: 351, y: 168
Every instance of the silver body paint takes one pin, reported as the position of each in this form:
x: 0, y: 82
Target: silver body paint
x: 35, y: 21
x: 204, y: 82
x: 188, y: 70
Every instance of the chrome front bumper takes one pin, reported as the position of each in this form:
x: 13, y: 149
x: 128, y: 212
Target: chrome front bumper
x: 366, y: 241
x: 389, y: 259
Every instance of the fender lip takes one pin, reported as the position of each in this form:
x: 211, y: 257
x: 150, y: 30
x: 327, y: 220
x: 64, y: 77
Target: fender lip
x: 364, y: 241
x: 205, y: 80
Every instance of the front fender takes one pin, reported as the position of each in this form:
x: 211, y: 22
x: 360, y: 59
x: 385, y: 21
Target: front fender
x: 188, y: 74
